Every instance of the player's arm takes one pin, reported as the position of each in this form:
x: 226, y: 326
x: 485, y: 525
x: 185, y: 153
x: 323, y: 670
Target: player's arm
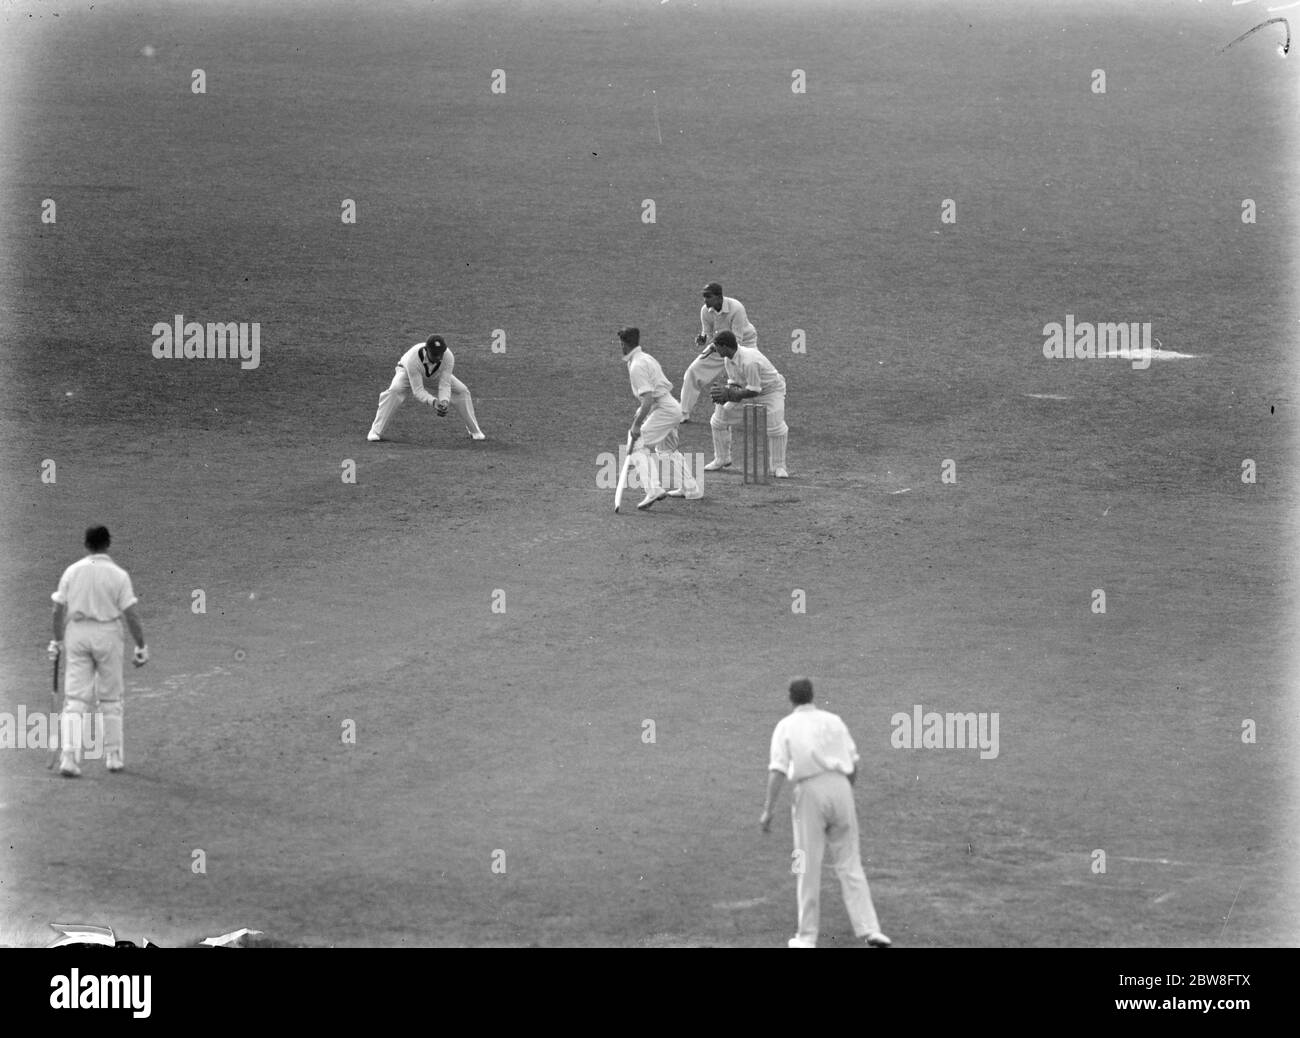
x: 706, y: 328
x: 853, y: 756
x: 739, y: 320
x: 775, y: 780
x: 444, y: 380
x: 415, y: 375
x: 777, y: 768
x: 734, y: 392
x: 134, y: 626
x: 751, y: 381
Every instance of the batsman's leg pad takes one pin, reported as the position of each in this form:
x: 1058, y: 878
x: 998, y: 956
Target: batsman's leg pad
x: 721, y: 442
x: 112, y: 735
x: 682, y: 478
x: 776, y: 449
x: 647, y: 470
x: 72, y: 723
x: 641, y: 467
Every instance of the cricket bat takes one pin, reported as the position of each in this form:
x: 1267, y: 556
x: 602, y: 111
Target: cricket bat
x: 54, y: 738
x: 622, y: 475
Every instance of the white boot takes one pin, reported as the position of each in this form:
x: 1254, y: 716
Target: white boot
x: 649, y: 473
x: 70, y: 723
x: 112, y: 735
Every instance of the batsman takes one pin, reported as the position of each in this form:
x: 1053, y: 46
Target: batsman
x: 655, y: 425
x: 93, y: 597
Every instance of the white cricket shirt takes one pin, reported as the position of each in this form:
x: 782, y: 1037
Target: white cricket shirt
x: 809, y: 741
x: 95, y: 588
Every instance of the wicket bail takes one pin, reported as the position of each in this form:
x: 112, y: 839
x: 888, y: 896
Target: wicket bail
x: 755, y: 444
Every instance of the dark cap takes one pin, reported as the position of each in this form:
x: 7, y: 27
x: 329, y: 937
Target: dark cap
x: 801, y: 691
x: 712, y: 289
x: 436, y: 343
x: 631, y: 336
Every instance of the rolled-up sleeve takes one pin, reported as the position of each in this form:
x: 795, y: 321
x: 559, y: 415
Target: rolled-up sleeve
x: 739, y: 320
x: 779, y: 754
x: 126, y: 595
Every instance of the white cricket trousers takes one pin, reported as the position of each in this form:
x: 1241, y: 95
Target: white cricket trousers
x: 92, y: 676
x: 826, y: 827
x: 659, y: 431
x: 392, y: 397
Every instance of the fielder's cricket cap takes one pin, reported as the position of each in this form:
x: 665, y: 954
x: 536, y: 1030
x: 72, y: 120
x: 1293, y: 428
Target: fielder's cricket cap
x: 436, y: 343
x: 631, y: 336
x: 712, y: 289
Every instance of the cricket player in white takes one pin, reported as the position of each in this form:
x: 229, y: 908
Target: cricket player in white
x: 94, y: 596
x: 813, y: 749
x: 751, y: 378
x: 719, y: 312
x: 430, y: 359
x: 655, y: 425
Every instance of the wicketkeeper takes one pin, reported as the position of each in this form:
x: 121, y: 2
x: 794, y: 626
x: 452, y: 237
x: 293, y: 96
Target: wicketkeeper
x: 751, y: 378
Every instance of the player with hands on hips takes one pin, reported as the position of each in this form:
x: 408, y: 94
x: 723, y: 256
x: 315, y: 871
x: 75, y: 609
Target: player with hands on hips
x: 655, y: 425
x: 718, y: 313
x: 430, y: 359
x: 751, y: 379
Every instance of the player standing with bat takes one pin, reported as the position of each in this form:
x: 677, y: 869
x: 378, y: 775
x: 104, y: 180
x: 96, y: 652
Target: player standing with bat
x: 655, y: 425
x: 56, y: 653
x: 93, y: 597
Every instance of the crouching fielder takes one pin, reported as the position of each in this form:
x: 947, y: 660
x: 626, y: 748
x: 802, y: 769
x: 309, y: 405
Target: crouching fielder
x: 751, y: 378
x: 655, y: 425
x: 430, y: 359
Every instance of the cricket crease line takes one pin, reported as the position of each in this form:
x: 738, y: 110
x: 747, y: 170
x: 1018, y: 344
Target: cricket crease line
x: 1231, y: 907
